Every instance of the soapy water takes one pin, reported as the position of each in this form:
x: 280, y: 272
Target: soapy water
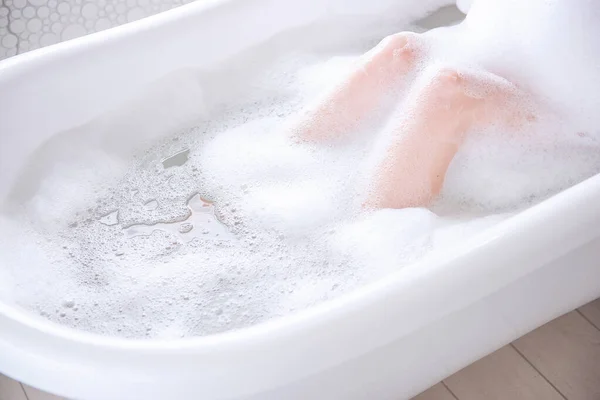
x: 229, y: 223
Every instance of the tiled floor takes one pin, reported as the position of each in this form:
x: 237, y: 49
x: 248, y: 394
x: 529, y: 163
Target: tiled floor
x: 560, y: 360
x: 13, y: 390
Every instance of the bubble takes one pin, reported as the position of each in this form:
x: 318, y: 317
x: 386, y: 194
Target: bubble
x: 186, y: 227
x: 69, y: 303
x: 152, y: 230
x: 151, y: 205
x: 110, y: 219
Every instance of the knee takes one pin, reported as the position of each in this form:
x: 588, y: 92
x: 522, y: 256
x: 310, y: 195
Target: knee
x: 445, y: 78
x: 398, y: 45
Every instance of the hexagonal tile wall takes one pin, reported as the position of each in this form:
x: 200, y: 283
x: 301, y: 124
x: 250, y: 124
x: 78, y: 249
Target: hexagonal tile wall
x: 30, y: 24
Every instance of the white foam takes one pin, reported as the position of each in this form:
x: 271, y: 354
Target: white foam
x: 229, y: 224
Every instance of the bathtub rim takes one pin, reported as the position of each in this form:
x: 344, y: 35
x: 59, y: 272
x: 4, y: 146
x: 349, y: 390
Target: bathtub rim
x: 541, y: 219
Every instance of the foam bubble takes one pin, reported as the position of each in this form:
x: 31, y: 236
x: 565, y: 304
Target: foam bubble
x: 133, y: 226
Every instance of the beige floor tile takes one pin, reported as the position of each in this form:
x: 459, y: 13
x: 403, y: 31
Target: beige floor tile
x: 503, y: 375
x: 567, y: 352
x: 437, y: 392
x: 36, y: 394
x: 592, y: 312
x: 10, y: 389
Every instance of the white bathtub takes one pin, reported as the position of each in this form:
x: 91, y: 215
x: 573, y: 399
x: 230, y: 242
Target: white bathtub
x: 389, y: 340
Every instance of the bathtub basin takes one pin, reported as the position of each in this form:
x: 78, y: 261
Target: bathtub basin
x: 389, y: 340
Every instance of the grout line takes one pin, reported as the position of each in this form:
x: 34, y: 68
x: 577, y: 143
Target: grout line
x: 448, y: 389
x: 24, y: 391
x: 588, y: 320
x: 538, y: 371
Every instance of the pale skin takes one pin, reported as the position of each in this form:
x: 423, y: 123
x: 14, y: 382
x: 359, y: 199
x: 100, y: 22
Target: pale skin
x: 426, y: 135
x: 345, y: 105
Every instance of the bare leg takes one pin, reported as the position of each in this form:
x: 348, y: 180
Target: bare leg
x: 427, y: 137
x: 342, y: 108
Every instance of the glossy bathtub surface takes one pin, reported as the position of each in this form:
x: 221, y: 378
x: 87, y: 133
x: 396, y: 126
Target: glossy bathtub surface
x: 389, y: 340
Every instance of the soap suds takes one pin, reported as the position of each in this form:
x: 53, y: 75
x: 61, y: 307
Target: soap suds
x: 230, y: 223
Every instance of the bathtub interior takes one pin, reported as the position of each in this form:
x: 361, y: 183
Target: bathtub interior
x: 32, y: 85
x: 57, y: 89
x: 173, y: 99
x: 168, y: 102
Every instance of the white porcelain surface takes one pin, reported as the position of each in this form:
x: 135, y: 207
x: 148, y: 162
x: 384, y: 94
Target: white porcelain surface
x: 389, y: 340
